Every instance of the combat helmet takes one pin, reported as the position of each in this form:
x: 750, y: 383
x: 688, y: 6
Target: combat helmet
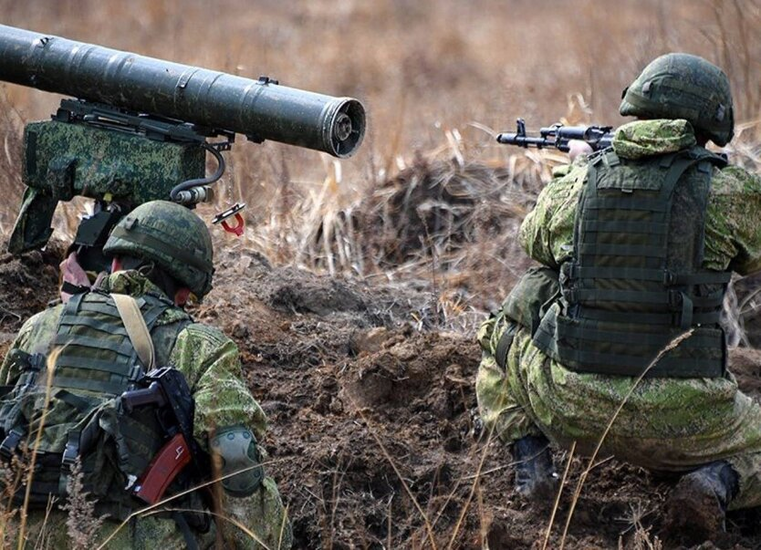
x: 680, y: 85
x: 172, y: 236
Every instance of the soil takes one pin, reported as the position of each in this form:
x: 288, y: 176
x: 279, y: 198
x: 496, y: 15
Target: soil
x: 27, y: 284
x: 367, y: 411
x: 374, y: 435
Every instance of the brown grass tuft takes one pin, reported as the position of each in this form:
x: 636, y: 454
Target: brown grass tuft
x: 82, y: 523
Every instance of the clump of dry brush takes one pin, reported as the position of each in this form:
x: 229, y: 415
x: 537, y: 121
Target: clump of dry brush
x: 443, y: 219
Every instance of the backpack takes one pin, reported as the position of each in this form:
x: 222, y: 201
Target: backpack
x: 71, y: 413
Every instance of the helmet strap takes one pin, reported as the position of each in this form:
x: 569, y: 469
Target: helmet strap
x: 154, y: 273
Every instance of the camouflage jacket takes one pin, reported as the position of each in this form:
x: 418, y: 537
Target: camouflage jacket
x: 733, y: 231
x: 208, y: 359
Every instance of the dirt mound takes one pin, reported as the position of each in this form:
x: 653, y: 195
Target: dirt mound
x: 402, y: 370
x: 297, y: 291
x: 27, y: 283
x: 745, y: 364
x: 375, y: 438
x: 432, y: 207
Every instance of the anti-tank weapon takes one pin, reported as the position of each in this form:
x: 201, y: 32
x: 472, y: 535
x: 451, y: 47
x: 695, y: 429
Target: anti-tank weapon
x: 558, y: 136
x: 139, y: 129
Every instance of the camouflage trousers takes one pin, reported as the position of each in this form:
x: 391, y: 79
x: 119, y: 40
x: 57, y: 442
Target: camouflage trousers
x: 666, y: 424
x: 262, y: 514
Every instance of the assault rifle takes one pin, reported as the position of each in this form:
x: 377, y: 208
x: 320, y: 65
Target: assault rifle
x: 558, y: 136
x: 167, y: 391
x: 139, y: 130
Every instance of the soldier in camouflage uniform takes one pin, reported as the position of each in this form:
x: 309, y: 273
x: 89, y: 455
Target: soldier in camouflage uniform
x: 162, y: 252
x: 636, y: 246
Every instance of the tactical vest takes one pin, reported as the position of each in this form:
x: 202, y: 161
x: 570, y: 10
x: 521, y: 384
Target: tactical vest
x: 635, y: 280
x: 95, y: 362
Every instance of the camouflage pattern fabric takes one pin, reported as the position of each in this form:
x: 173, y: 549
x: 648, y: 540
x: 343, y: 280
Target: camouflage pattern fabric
x: 66, y: 160
x: 211, y: 364
x: 666, y: 424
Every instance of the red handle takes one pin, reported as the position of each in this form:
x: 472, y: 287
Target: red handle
x: 237, y: 229
x: 162, y: 470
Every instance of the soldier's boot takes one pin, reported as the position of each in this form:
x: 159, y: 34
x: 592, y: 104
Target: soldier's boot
x: 696, y: 508
x: 535, y: 476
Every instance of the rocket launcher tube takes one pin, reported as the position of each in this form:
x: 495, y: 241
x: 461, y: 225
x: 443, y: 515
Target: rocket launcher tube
x: 260, y: 109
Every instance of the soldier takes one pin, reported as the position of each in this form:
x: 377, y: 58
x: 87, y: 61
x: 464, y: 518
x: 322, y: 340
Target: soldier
x: 161, y: 253
x: 636, y: 245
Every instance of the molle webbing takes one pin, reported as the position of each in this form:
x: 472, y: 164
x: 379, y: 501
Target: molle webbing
x: 94, y: 361
x: 635, y: 281
x: 623, y: 353
x: 95, y: 351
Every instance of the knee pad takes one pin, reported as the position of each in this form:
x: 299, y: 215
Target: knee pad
x: 235, y: 449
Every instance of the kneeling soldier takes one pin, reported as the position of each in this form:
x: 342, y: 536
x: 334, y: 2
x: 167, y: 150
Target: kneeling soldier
x: 636, y: 243
x: 101, y: 344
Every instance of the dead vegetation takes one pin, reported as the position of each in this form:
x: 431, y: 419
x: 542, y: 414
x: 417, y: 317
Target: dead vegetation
x: 11, y: 123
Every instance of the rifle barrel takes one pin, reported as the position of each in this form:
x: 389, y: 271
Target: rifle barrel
x: 508, y: 138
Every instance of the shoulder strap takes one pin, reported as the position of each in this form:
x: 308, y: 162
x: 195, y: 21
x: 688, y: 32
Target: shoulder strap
x: 137, y: 330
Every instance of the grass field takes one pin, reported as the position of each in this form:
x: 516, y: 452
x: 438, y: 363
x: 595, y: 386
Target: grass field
x: 422, y: 67
x: 438, y: 79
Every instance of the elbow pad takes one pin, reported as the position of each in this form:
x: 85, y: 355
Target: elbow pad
x: 234, y: 450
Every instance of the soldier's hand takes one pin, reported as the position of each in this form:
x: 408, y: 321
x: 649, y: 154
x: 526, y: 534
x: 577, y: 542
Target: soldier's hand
x: 578, y: 147
x: 72, y: 275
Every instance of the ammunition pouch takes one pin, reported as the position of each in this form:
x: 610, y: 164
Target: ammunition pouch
x: 524, y: 307
x: 531, y: 297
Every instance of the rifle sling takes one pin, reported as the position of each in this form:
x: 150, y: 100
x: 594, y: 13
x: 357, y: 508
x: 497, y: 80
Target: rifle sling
x: 137, y: 330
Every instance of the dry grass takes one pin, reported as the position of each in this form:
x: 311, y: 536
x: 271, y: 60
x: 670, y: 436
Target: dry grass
x: 11, y: 124
x: 427, y: 70
x: 82, y: 523
x: 40, y: 421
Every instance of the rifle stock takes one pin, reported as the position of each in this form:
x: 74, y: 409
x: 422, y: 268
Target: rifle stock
x: 173, y: 457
